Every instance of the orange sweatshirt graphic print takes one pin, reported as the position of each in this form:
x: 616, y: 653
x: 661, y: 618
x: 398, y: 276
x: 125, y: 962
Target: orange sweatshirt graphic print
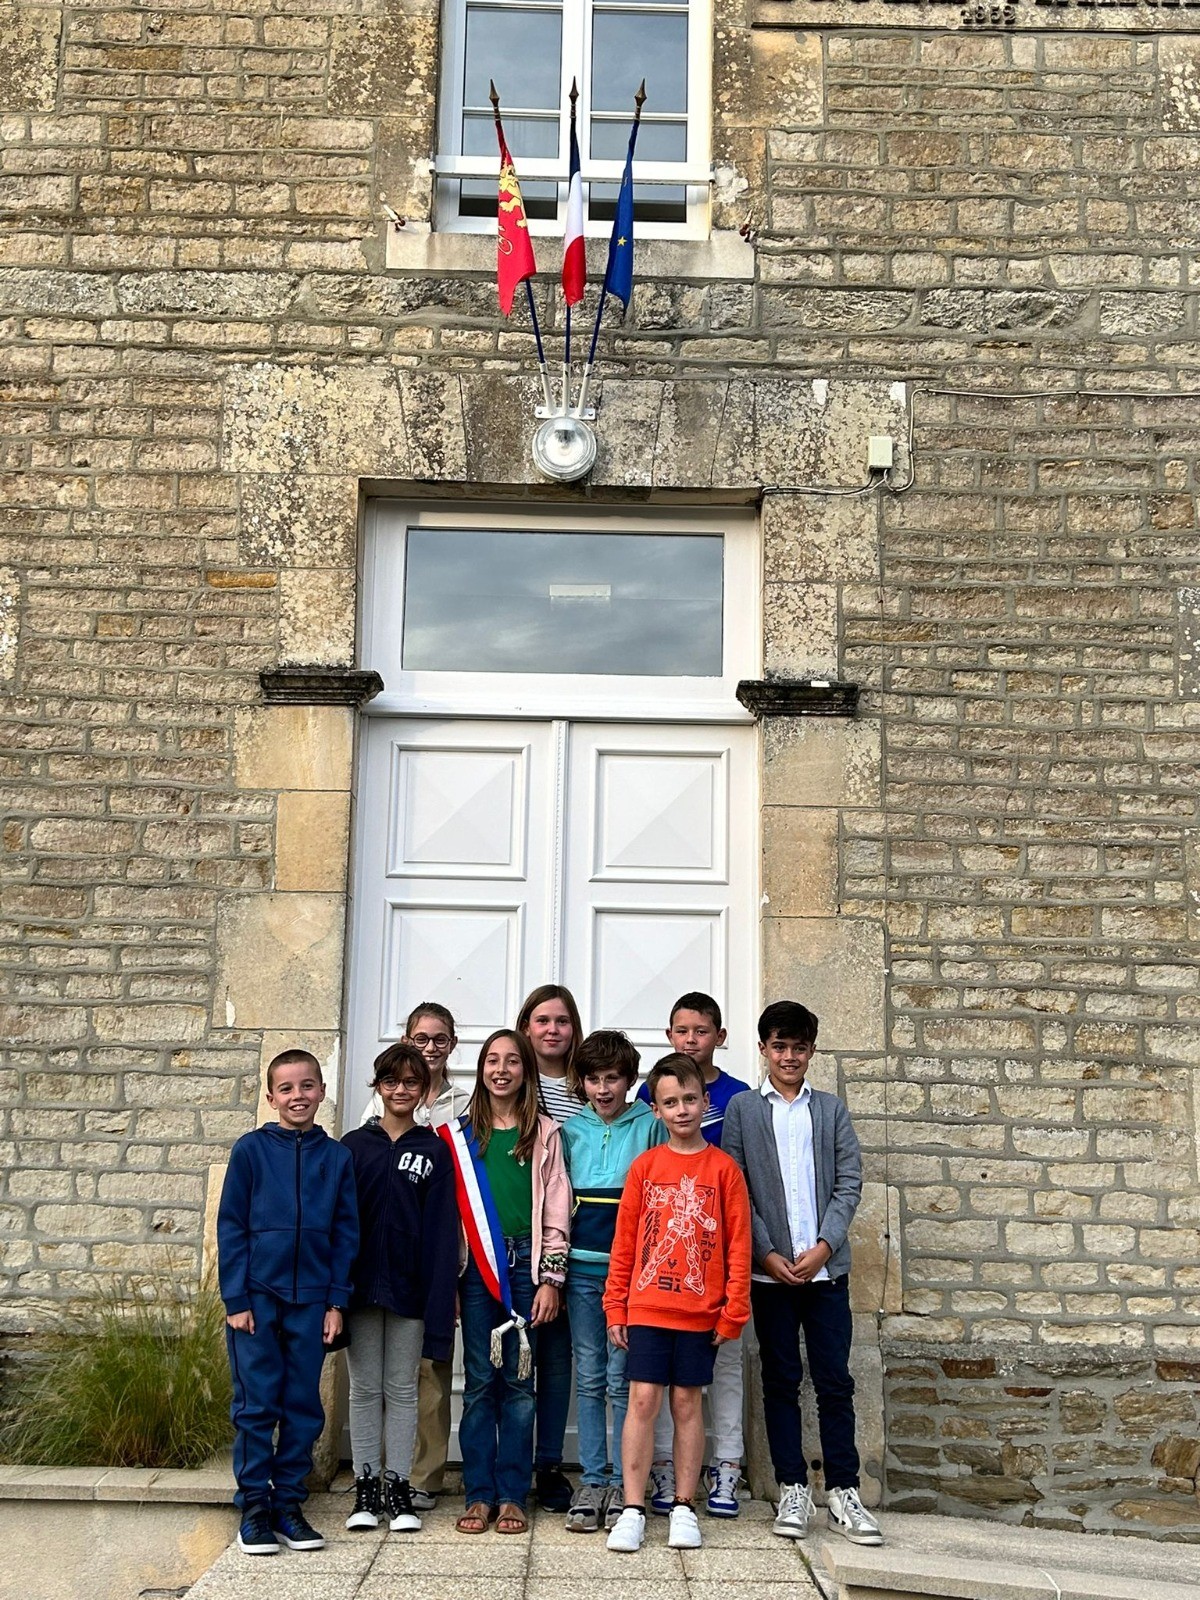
x: 681, y: 1254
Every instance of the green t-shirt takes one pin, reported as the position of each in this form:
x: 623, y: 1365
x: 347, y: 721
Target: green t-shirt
x: 512, y: 1183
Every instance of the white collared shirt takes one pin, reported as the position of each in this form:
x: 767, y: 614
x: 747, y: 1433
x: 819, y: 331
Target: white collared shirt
x: 792, y: 1124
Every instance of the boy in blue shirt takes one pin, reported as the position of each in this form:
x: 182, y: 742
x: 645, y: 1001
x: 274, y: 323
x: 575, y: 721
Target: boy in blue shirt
x: 287, y: 1235
x: 599, y: 1146
x: 695, y: 1031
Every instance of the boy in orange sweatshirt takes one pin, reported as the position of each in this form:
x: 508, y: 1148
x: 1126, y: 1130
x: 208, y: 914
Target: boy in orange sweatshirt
x: 678, y: 1286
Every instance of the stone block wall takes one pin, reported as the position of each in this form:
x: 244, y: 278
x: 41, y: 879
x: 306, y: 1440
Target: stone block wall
x: 990, y: 894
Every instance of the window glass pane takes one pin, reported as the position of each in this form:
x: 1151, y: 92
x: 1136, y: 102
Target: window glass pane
x: 656, y: 141
x: 478, y: 198
x: 658, y: 202
x: 628, y: 46
x: 525, y: 136
x: 638, y: 604
x: 521, y: 50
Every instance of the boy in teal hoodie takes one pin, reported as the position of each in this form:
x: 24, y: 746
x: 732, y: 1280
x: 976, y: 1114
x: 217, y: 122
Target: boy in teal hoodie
x: 599, y: 1146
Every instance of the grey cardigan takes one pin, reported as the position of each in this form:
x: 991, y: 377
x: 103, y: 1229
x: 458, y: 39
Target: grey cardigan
x: 748, y: 1135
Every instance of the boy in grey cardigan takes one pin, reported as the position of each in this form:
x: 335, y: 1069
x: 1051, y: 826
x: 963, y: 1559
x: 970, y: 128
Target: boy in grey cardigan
x: 799, y: 1153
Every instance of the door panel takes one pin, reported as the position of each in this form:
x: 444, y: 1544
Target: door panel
x: 658, y: 898
x: 454, y: 887
x: 493, y: 856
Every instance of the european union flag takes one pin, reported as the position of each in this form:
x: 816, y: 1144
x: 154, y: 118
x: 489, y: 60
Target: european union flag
x: 618, y: 274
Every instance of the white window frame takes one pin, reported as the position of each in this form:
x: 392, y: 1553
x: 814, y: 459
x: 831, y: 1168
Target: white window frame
x: 695, y: 172
x: 581, y: 696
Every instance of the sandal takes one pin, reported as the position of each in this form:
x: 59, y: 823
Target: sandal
x: 512, y: 1519
x: 474, y: 1519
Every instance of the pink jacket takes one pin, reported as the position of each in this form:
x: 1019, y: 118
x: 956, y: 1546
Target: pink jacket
x: 551, y: 1205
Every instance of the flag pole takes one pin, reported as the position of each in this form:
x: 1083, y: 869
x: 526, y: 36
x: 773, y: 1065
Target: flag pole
x: 537, y: 332
x: 566, y: 362
x: 639, y: 101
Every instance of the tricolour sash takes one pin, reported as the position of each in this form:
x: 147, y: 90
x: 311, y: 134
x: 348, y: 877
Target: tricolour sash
x: 485, y: 1238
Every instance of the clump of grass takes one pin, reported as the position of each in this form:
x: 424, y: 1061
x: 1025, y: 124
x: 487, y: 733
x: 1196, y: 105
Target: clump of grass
x: 139, y: 1379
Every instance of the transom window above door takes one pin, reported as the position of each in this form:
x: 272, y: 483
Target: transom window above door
x: 600, y: 614
x: 533, y: 49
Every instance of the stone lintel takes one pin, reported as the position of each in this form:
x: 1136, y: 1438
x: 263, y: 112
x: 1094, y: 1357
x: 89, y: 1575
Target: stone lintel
x: 798, y: 697
x: 319, y: 686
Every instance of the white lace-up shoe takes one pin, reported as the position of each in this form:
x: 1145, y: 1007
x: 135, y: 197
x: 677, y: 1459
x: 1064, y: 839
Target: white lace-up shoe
x: 795, y: 1511
x: 849, y: 1517
x: 684, y: 1531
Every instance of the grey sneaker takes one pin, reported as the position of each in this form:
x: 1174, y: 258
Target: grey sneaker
x: 795, y: 1511
x: 849, y: 1517
x: 614, y: 1504
x: 587, y: 1506
x: 422, y: 1500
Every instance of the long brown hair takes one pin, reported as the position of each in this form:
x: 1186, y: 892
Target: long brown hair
x: 479, y: 1109
x: 538, y: 997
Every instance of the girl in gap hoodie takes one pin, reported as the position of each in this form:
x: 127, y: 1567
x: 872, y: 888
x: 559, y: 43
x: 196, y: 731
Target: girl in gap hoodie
x: 599, y: 1146
x: 404, y: 1283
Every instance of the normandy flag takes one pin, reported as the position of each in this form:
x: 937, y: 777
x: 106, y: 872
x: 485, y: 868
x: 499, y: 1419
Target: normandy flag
x: 514, y: 248
x: 574, y: 267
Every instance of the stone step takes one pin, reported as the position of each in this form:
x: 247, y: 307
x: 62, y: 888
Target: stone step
x: 948, y: 1558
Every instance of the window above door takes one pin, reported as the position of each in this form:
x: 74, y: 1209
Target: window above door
x: 533, y: 49
x: 511, y: 613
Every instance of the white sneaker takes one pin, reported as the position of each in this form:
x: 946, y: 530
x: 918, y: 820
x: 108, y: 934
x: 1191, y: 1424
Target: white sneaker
x: 628, y: 1532
x: 795, y: 1511
x: 849, y: 1517
x: 684, y: 1531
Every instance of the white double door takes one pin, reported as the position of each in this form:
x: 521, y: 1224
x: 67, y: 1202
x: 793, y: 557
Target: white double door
x: 619, y: 859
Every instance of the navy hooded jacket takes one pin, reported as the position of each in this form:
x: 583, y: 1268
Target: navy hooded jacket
x: 408, y: 1252
x: 287, y: 1224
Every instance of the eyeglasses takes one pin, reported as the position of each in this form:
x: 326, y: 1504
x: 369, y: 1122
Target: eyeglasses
x: 409, y: 1085
x: 439, y: 1041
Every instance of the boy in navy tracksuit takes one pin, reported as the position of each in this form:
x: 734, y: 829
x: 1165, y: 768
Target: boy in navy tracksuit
x: 287, y: 1233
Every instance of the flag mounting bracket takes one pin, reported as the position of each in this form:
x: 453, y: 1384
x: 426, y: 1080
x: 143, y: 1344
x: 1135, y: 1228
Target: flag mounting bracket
x: 584, y: 414
x: 564, y: 446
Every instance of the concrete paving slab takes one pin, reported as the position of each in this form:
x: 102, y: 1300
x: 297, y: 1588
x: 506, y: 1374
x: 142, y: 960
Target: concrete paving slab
x: 408, y: 1588
x: 277, y: 1580
x: 780, y: 1562
x: 194, y: 1486
x: 50, y: 1483
x: 482, y: 1557
x: 792, y: 1590
x: 973, y: 1559
x: 587, y: 1557
x: 129, y: 1484
x: 623, y: 1584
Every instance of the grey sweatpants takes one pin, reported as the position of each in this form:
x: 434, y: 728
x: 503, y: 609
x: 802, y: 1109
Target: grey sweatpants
x: 384, y: 1356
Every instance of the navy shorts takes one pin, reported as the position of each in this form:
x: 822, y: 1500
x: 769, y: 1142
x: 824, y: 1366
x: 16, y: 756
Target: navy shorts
x: 670, y: 1356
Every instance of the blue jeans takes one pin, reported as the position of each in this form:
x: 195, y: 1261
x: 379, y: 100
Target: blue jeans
x: 496, y: 1431
x: 821, y: 1312
x: 553, y: 1388
x: 599, y: 1378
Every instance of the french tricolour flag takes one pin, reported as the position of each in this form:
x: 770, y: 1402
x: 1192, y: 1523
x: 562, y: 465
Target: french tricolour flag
x: 574, y: 270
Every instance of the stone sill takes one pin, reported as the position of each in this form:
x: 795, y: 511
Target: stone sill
x: 200, y: 1486
x: 724, y: 255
